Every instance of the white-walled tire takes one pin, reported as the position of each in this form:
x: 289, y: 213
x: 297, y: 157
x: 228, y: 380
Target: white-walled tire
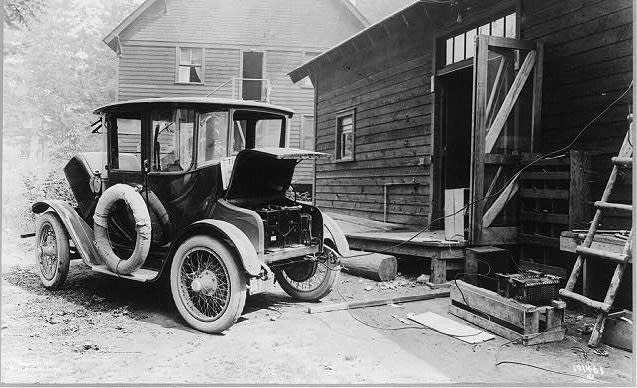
x: 52, y: 251
x: 207, y: 285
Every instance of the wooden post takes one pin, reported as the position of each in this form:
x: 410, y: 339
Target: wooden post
x: 438, y: 269
x: 536, y: 114
x: 478, y: 130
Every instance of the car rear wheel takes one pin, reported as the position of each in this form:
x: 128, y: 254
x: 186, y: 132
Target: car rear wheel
x: 309, y: 280
x: 52, y: 251
x: 206, y: 284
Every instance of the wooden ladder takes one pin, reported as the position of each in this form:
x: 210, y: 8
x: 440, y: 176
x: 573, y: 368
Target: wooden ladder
x: 624, y: 160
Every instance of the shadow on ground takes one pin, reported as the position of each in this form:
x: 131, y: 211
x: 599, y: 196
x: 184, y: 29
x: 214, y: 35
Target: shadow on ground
x: 147, y: 302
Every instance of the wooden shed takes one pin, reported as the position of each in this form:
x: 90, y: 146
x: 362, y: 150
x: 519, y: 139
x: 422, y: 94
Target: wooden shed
x: 443, y: 102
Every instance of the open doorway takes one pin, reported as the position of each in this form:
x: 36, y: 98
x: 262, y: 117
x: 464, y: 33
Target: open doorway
x: 455, y: 124
x: 252, y: 88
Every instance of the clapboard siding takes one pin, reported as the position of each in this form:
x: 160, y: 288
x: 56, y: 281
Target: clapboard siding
x: 149, y: 71
x: 390, y: 93
x: 588, y: 64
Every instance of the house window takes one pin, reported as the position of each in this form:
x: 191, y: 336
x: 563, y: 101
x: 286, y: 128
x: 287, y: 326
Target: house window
x: 190, y: 65
x: 345, y: 126
x: 462, y: 46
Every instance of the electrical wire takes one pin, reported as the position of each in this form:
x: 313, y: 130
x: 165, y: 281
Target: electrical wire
x: 542, y: 368
x: 509, y: 181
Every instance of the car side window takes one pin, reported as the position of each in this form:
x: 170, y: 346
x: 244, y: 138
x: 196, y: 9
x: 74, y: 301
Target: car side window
x: 213, y: 138
x: 172, y: 134
x: 129, y: 144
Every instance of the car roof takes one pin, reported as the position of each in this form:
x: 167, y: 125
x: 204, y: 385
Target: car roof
x: 195, y: 101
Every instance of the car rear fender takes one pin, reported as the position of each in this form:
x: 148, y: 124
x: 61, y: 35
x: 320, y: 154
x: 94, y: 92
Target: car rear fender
x: 247, y: 255
x: 79, y: 231
x: 333, y: 233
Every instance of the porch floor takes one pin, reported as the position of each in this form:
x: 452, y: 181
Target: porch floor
x: 401, y: 240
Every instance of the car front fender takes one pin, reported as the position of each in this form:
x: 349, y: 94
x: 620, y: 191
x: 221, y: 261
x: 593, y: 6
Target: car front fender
x: 248, y: 256
x: 79, y: 231
x: 333, y: 232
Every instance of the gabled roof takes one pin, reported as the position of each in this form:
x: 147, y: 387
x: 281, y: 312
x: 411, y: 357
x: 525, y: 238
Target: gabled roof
x: 112, y: 38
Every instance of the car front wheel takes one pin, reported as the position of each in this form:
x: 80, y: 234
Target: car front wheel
x: 206, y: 284
x: 52, y: 251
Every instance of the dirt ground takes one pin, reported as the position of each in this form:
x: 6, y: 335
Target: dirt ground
x: 99, y: 329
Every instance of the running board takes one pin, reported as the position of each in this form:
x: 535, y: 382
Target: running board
x: 141, y: 275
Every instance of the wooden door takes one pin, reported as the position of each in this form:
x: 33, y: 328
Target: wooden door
x: 506, y: 122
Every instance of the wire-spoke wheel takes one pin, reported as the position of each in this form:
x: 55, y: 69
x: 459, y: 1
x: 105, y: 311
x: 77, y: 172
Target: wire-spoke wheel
x: 52, y: 251
x: 309, y: 280
x: 206, y: 285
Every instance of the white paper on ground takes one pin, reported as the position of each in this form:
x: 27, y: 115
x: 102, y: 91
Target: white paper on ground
x: 452, y: 328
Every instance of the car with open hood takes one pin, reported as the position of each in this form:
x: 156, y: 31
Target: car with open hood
x: 196, y: 190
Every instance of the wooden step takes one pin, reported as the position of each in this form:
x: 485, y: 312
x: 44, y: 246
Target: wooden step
x: 613, y: 206
x: 141, y: 275
x: 601, y: 306
x: 596, y: 253
x: 623, y: 162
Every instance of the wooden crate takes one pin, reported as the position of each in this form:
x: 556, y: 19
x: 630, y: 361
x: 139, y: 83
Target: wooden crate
x: 506, y: 317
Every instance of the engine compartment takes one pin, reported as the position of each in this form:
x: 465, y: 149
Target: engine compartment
x: 286, y: 225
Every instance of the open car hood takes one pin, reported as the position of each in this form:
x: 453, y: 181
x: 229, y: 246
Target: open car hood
x: 266, y: 172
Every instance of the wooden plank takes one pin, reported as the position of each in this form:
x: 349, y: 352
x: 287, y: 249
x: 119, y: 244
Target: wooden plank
x: 549, y: 218
x: 496, y: 85
x: 544, y: 268
x: 580, y: 189
x: 540, y: 240
x: 481, y: 299
x: 536, y: 112
x: 544, y: 193
x: 500, y: 235
x: 376, y: 302
x: 509, y: 101
x: 511, y: 43
x: 454, y: 214
x: 500, y: 202
x: 545, y: 175
x: 478, y: 131
x: 494, y: 181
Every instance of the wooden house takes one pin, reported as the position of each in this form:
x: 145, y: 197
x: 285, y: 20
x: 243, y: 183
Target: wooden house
x: 234, y: 48
x: 404, y: 106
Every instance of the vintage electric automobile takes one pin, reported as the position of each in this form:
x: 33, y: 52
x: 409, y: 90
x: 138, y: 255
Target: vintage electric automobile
x: 193, y: 189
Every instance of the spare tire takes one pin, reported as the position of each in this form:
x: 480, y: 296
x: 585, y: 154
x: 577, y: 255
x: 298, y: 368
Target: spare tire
x: 142, y: 226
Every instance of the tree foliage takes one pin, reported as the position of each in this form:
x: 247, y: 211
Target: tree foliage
x: 59, y: 69
x: 19, y: 13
